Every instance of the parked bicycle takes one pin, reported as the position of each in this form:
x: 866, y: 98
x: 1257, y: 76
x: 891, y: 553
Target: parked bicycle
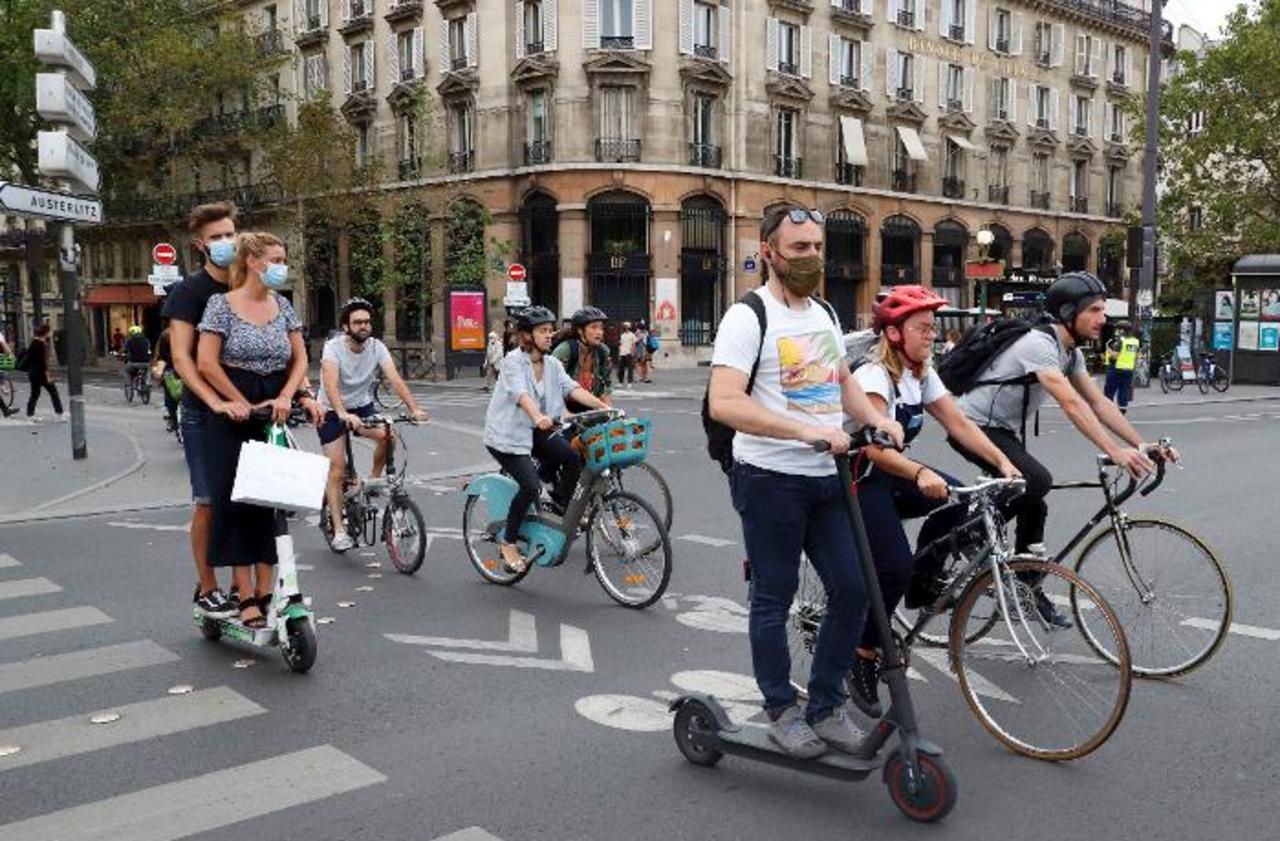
x: 381, y: 507
x: 1210, y: 375
x: 414, y: 365
x: 7, y: 363
x: 1171, y: 374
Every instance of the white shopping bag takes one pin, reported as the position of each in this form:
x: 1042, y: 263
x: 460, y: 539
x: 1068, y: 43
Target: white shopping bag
x: 280, y: 477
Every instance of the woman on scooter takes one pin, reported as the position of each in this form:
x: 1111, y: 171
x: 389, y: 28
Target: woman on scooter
x: 531, y: 391
x: 900, y: 381
x: 251, y: 352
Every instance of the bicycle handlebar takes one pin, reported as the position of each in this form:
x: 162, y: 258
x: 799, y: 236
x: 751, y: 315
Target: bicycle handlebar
x: 388, y: 420
x: 988, y: 487
x: 861, y: 438
x: 1156, y: 453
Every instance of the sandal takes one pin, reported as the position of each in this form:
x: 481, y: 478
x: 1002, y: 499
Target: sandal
x: 514, y: 567
x: 253, y: 623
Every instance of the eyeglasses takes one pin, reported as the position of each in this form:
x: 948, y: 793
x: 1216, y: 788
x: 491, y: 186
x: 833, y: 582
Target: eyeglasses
x: 923, y: 329
x: 797, y: 215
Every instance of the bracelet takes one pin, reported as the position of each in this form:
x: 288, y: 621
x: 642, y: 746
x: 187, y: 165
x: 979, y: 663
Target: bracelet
x: 922, y: 469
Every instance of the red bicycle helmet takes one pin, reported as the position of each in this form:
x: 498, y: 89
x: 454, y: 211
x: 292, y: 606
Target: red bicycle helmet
x: 900, y: 302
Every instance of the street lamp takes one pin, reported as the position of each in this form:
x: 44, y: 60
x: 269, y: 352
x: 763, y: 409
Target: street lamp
x: 985, y: 238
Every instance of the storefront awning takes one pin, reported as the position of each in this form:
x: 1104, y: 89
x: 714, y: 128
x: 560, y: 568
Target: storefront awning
x: 911, y: 140
x: 962, y: 142
x: 855, y: 145
x: 136, y: 294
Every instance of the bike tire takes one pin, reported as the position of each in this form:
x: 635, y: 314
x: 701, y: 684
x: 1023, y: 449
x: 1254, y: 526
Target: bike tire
x: 1176, y: 382
x: 1082, y: 696
x: 6, y: 391
x: 128, y: 389
x: 406, y: 559
x: 385, y: 396
x: 478, y: 524
x: 1220, y: 380
x: 1157, y: 618
x: 1202, y: 383
x: 804, y: 619
x: 1164, y: 379
x: 625, y: 512
x: 144, y: 391
x: 641, y: 475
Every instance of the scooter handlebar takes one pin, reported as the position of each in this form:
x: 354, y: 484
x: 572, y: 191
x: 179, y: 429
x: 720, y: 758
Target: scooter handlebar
x: 861, y: 437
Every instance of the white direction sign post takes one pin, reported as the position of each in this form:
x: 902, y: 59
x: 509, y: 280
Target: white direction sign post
x: 46, y: 204
x: 62, y: 157
x: 58, y: 101
x: 54, y: 48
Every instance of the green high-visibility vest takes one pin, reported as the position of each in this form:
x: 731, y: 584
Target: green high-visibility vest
x: 1127, y: 359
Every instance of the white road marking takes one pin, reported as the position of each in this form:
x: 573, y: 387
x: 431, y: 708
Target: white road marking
x: 522, y: 638
x: 726, y: 686
x: 471, y: 833
x: 575, y: 655
x: 23, y: 587
x: 715, y: 613
x: 208, y: 802
x: 717, y: 542
x: 150, y: 526
x: 625, y: 712
x: 940, y: 661
x: 7, y: 560
x: 1236, y: 628
x: 92, y: 662
x: 74, y: 735
x: 48, y: 621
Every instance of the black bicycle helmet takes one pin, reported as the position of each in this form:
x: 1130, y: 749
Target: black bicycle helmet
x: 531, y: 317
x: 587, y: 315
x: 351, y: 305
x: 1070, y: 294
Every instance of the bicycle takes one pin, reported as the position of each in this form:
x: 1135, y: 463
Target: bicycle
x: 642, y: 479
x: 1208, y: 374
x: 137, y: 381
x: 628, y: 546
x: 403, y: 527
x: 1041, y: 692
x: 8, y: 362
x: 1171, y: 374
x: 414, y: 365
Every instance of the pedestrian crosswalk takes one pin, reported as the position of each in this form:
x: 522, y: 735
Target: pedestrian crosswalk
x: 120, y: 728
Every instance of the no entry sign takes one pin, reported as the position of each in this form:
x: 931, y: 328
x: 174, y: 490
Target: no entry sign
x: 164, y: 254
x: 516, y: 273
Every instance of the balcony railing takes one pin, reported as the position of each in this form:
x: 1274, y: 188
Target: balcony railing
x: 538, y: 152
x: 957, y: 32
x: 903, y: 181
x: 785, y: 166
x: 403, y: 10
x: 1044, y: 58
x: 850, y: 174
x: 1042, y: 123
x: 907, y: 19
x: 534, y: 48
x: 1039, y: 200
x: 998, y: 193
x: 617, y: 150
x: 853, y: 7
x: 1001, y: 114
x: 788, y: 68
x: 1114, y: 209
x: 246, y: 197
x: 310, y: 30
x: 955, y: 105
x: 1117, y: 78
x: 462, y: 161
x: 905, y: 94
x: 1114, y: 12
x: 946, y: 276
x: 705, y: 51
x: 407, y: 73
x: 953, y: 188
x: 1002, y: 45
x: 1116, y: 136
x: 458, y: 62
x: 895, y: 273
x: 409, y: 168
x: 617, y: 42
x: 1079, y: 131
x: 270, y: 42
x: 1079, y: 204
x: 704, y: 155
x: 850, y: 82
x: 360, y: 19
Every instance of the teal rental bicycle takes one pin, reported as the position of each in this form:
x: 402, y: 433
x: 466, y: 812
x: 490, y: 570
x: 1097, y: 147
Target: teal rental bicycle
x: 628, y: 547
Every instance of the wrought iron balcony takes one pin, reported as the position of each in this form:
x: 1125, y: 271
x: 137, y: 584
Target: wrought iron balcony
x: 1039, y: 200
x: 310, y: 31
x: 462, y: 161
x: 617, y: 42
x: 704, y: 155
x: 269, y: 116
x: 955, y: 105
x: 1044, y: 58
x: 850, y: 174
x: 1002, y: 45
x: 705, y: 51
x: 1001, y: 114
x: 998, y: 193
x: 957, y: 32
x: 953, y: 188
x: 788, y: 68
x: 853, y: 7
x: 617, y: 150
x: 906, y: 94
x: 360, y: 19
x: 1042, y: 123
x: 1115, y: 210
x: 1079, y: 204
x: 946, y: 276
x: 907, y: 19
x: 1079, y: 131
x: 407, y: 73
x: 537, y: 152
x: 409, y: 168
x: 1116, y: 136
x: 904, y: 181
x: 403, y: 10
x: 788, y: 167
x: 534, y: 47
x: 1117, y: 78
x: 270, y: 42
x: 850, y: 82
x: 1113, y: 12
x: 458, y: 62
x: 894, y: 273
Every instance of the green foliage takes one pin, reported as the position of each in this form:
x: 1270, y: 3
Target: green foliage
x: 465, y: 259
x: 314, y: 163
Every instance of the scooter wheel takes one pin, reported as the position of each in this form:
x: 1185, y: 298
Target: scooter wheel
x: 300, y: 656
x: 211, y: 629
x: 935, y: 791
x: 694, y: 719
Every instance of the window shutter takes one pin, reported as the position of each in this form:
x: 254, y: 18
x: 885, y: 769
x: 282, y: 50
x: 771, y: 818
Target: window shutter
x: 1031, y: 105
x: 550, y: 25
x: 993, y: 21
x: 642, y: 24
x: 1015, y: 40
x: 944, y: 18
x: 891, y: 71
x: 922, y: 9
x: 346, y: 70
x: 868, y: 55
x: 1056, y: 44
x: 1111, y: 62
x: 445, y: 50
x: 1013, y: 101
x: 393, y: 56
x: 1128, y: 69
x: 346, y: 10
x: 970, y: 80
x: 1100, y: 130
x: 370, y: 80
x: 324, y: 14
x: 771, y: 44
x: 686, y: 27
x: 918, y: 63
x: 473, y: 41
x: 1053, y: 109
x: 591, y: 24
x: 943, y: 71
x: 520, y: 35
x: 833, y: 59
x: 299, y: 16
x: 1082, y: 55
x: 970, y: 20
x: 725, y: 14
x: 419, y: 52
x: 1095, y: 59
x: 806, y: 52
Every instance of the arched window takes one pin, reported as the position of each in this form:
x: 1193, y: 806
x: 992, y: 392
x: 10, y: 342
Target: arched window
x: 702, y: 233
x: 845, y: 247
x: 900, y: 251
x: 1002, y: 244
x: 1037, y: 251
x: 1075, y: 252
x: 540, y: 248
x: 950, y: 242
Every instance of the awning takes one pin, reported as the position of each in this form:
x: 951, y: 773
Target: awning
x: 137, y: 294
x: 855, y: 145
x: 962, y: 142
x: 910, y: 139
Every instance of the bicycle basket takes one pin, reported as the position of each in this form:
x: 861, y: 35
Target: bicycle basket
x: 617, y: 444
x: 8, y: 362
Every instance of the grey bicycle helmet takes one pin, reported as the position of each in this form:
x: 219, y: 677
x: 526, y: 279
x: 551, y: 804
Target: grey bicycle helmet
x: 351, y: 305
x: 1070, y: 294
x: 587, y: 315
x: 531, y: 317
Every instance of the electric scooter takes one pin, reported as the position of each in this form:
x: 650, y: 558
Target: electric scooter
x: 290, y: 625
x: 920, y: 783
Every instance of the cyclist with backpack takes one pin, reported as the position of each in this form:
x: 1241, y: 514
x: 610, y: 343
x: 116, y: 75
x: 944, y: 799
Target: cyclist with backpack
x: 898, y: 377
x: 1003, y: 371
x: 585, y: 356
x: 779, y: 385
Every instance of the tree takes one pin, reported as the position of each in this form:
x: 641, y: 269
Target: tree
x: 1220, y: 152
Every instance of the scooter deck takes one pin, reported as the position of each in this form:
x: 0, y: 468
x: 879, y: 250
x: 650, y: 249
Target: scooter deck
x: 751, y: 741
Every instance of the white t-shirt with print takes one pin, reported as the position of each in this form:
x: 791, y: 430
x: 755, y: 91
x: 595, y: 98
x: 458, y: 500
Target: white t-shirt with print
x: 627, y: 344
x: 799, y: 376
x: 875, y: 379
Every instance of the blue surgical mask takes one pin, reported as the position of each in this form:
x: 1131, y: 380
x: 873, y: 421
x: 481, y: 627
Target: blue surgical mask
x: 221, y: 251
x: 275, y: 276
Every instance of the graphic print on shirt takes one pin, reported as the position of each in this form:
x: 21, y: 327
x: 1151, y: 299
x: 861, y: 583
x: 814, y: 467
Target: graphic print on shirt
x: 807, y: 368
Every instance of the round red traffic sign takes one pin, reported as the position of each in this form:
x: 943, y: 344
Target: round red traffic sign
x: 516, y: 273
x: 164, y: 254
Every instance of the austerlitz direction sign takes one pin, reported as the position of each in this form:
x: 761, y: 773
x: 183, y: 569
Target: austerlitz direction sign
x: 46, y: 204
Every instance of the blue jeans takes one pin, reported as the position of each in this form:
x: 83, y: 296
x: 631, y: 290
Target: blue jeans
x: 782, y: 515
x: 195, y: 424
x: 1119, y: 386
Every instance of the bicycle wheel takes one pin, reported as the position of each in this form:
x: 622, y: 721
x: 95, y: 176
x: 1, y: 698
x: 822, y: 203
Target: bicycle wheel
x: 803, y: 622
x: 1175, y: 379
x: 933, y: 635
x: 645, y: 481
x: 1041, y: 691
x: 385, y: 396
x: 6, y: 391
x: 1173, y: 598
x: 404, y: 532
x: 480, y: 528
x: 144, y: 391
x: 1220, y: 381
x: 128, y: 389
x: 631, y: 565
x: 1202, y: 383
x: 1164, y: 378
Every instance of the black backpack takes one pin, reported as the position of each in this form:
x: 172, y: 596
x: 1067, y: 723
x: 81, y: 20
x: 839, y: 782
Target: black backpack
x: 720, y: 437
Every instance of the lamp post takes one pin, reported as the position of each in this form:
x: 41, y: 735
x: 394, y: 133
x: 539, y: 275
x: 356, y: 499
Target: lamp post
x: 985, y: 238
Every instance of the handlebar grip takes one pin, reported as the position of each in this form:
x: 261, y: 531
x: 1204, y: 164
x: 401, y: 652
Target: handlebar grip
x: 1159, y: 478
x: 821, y: 446
x: 261, y: 413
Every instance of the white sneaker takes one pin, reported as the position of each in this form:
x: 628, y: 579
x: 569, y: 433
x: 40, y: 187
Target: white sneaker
x: 341, y: 542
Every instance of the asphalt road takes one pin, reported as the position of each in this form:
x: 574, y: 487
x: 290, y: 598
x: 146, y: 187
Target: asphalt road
x: 555, y: 729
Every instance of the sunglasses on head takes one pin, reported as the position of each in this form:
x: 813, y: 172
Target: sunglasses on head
x: 798, y: 216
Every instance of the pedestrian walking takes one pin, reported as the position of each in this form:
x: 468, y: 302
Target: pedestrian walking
x: 39, y: 363
x: 492, y: 359
x: 626, y: 354
x: 1122, y: 360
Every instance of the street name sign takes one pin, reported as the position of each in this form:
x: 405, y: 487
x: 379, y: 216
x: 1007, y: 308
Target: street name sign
x: 57, y: 100
x: 55, y: 48
x: 47, y: 204
x: 60, y: 156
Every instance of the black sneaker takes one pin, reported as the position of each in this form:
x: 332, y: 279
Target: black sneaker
x: 924, y: 588
x: 864, y: 685
x: 1049, y: 612
x: 214, y: 604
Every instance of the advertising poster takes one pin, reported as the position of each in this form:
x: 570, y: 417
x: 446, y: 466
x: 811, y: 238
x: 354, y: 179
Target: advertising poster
x: 571, y: 294
x: 666, y: 312
x: 1222, y: 335
x: 1250, y: 304
x: 1224, y: 308
x: 466, y: 320
x: 1269, y: 337
x: 1271, y: 304
x: 1248, y: 335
